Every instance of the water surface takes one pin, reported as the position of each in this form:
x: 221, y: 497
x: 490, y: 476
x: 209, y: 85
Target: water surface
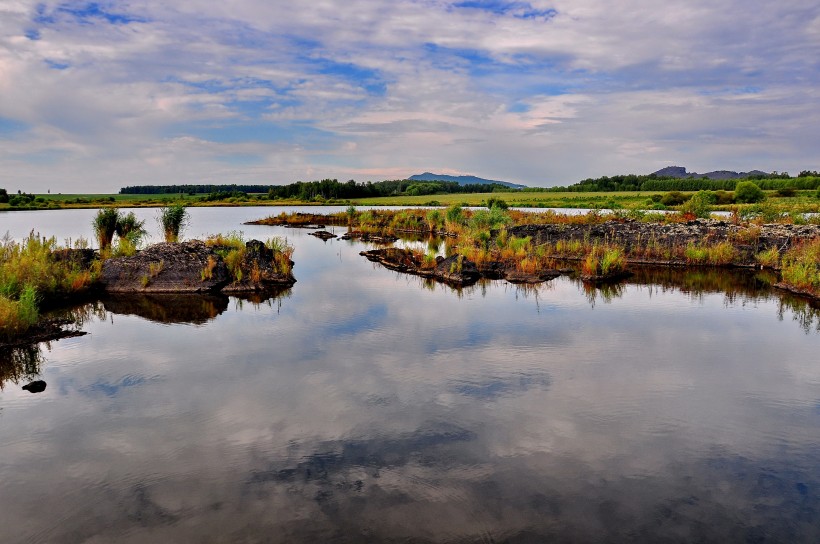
x: 364, y: 405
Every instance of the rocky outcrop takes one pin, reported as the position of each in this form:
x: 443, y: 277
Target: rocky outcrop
x: 186, y: 267
x: 192, y: 267
x: 260, y: 270
x: 454, y: 270
x: 635, y: 236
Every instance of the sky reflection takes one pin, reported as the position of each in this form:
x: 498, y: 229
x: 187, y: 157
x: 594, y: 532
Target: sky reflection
x: 361, y: 406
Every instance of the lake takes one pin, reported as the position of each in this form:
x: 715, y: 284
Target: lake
x: 364, y: 405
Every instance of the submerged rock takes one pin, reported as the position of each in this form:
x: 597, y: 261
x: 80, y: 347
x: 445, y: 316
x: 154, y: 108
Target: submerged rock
x: 37, y: 386
x: 322, y: 234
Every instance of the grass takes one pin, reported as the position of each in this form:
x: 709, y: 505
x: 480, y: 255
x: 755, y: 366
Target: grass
x: 29, y: 275
x: 801, y: 267
x: 604, y: 260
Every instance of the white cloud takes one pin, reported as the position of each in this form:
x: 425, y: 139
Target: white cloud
x: 370, y: 87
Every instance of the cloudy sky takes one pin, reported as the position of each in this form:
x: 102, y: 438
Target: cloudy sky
x: 94, y: 96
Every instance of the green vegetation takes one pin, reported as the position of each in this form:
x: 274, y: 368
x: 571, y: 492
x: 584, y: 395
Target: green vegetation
x: 801, y: 267
x: 604, y: 260
x: 32, y: 272
x: 748, y: 192
x: 172, y: 220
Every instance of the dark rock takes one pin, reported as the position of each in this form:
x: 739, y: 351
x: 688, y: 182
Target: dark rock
x: 457, y: 270
x: 193, y: 267
x: 186, y: 267
x: 368, y: 237
x: 37, y: 386
x: 516, y: 276
x: 260, y: 271
x: 323, y: 235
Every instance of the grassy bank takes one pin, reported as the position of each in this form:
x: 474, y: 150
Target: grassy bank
x: 33, y: 273
x: 597, y: 243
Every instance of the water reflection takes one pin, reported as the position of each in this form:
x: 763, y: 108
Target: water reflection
x: 168, y: 308
x: 20, y: 363
x: 364, y: 406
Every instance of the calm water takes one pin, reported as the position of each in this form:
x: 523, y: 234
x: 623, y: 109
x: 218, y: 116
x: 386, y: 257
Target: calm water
x: 367, y: 406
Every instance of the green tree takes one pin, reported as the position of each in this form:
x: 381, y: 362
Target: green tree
x: 748, y: 192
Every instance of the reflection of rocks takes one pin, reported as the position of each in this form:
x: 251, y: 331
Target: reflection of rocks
x: 168, y: 307
x: 191, y: 267
x: 37, y: 386
x: 612, y: 277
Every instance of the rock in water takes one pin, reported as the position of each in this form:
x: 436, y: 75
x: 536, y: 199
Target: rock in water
x: 37, y: 386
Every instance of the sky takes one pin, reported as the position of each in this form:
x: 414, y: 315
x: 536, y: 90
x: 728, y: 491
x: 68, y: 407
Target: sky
x: 98, y: 95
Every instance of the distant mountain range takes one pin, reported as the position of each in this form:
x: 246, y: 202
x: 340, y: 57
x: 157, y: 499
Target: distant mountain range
x: 680, y: 172
x: 463, y: 180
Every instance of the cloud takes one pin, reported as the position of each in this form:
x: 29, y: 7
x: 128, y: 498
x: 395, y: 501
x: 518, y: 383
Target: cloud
x: 536, y: 92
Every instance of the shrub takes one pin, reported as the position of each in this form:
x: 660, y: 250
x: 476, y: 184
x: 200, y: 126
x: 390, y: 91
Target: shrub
x: 748, y: 193
x: 700, y: 205
x: 173, y: 220
x: 494, y: 202
x: 674, y: 198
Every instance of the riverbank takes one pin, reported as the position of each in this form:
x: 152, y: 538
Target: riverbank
x: 530, y: 247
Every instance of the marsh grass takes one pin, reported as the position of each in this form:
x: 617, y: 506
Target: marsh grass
x: 604, y: 260
x: 29, y: 273
x: 105, y: 225
x: 801, y: 267
x: 173, y: 220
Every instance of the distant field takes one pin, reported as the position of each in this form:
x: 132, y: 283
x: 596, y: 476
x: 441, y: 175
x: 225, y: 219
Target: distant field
x: 541, y: 199
x: 802, y: 202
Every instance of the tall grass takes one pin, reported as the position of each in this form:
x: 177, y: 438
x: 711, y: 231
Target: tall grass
x: 29, y: 273
x: 105, y: 225
x: 173, y: 220
x: 801, y: 267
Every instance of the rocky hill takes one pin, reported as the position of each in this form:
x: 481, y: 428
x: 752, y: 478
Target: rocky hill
x: 462, y: 180
x: 680, y: 172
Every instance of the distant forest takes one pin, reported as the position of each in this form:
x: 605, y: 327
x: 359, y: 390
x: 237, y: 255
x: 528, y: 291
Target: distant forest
x: 329, y: 189
x: 807, y: 179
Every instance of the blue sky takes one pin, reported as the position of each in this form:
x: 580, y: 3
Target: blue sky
x: 97, y: 95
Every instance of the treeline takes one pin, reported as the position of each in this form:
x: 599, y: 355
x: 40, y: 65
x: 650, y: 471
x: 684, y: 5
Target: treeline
x: 327, y: 189
x: 807, y: 180
x: 191, y: 189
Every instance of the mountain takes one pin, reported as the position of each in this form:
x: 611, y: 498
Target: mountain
x: 680, y: 172
x: 462, y: 180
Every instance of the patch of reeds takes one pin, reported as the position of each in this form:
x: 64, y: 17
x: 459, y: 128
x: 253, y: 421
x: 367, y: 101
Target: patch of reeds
x: 604, y: 260
x: 172, y: 221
